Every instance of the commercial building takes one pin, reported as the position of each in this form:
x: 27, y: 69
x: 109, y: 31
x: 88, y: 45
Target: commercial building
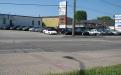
x: 50, y: 21
x: 93, y: 24
x: 47, y: 21
x: 53, y: 21
x: 17, y: 20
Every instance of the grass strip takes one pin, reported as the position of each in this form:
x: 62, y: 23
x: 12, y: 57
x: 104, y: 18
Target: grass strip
x: 110, y: 70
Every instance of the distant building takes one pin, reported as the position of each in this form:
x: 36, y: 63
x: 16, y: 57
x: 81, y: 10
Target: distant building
x: 89, y: 24
x: 50, y: 21
x: 17, y: 20
x: 92, y: 24
x: 53, y: 21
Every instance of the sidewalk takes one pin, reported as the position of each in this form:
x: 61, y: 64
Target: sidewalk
x: 45, y: 62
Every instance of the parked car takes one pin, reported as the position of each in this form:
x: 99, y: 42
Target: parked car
x: 20, y: 27
x: 85, y: 32
x: 50, y: 31
x: 36, y: 29
x: 31, y: 29
x: 13, y: 27
x: 0, y: 27
x: 78, y: 31
x: 92, y: 32
x: 68, y: 31
x: 6, y: 27
x: 106, y: 32
x: 62, y: 30
x: 26, y: 28
x: 115, y: 32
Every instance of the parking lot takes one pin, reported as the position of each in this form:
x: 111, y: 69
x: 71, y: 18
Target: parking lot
x: 25, y: 41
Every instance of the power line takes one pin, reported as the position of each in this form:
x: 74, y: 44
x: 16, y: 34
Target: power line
x: 93, y: 10
x: 31, y: 4
x: 110, y: 3
x: 26, y: 4
x: 21, y: 4
x: 98, y: 11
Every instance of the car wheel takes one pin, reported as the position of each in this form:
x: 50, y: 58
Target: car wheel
x: 49, y: 33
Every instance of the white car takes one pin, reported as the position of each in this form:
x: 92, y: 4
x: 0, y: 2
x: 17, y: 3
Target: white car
x: 49, y: 31
x: 94, y: 32
x: 44, y: 30
x: 115, y: 32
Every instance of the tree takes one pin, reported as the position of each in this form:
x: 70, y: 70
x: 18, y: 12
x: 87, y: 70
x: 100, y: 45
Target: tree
x: 43, y: 25
x: 106, y: 19
x: 80, y: 15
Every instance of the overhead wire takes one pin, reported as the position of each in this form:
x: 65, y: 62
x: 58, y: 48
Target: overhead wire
x: 110, y: 3
x: 26, y: 4
x: 92, y: 9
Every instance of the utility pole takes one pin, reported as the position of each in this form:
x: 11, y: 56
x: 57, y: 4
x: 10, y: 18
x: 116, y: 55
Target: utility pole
x: 74, y: 10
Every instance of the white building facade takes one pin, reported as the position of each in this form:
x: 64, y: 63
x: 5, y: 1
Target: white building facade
x: 16, y: 20
x: 118, y: 22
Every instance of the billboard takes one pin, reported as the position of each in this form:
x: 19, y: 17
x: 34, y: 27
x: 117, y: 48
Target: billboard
x: 118, y: 22
x: 62, y: 7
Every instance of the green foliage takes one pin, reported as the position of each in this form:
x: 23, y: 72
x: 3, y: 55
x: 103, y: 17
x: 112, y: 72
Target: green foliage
x: 80, y: 15
x: 43, y: 25
x: 66, y: 73
x: 112, y: 70
x: 106, y: 19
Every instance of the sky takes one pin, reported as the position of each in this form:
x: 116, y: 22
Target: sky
x: 94, y: 8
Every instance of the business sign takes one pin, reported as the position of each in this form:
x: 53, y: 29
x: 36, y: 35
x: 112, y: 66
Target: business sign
x: 117, y: 17
x: 62, y: 7
x: 118, y: 22
x: 62, y: 14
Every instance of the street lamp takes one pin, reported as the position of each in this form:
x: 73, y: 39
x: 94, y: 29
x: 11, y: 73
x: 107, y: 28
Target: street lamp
x: 74, y: 10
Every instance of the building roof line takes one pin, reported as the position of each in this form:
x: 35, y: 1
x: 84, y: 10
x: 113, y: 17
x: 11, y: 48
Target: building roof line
x: 20, y: 15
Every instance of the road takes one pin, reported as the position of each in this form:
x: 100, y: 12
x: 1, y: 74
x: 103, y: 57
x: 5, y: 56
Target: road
x: 20, y: 41
x: 32, y: 53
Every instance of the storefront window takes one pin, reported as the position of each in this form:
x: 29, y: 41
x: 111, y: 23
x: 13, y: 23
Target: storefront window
x: 4, y: 20
x: 38, y: 22
x: 33, y: 22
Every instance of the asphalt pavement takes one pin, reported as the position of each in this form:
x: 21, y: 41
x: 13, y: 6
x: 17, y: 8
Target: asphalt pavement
x: 34, y: 53
x: 26, y: 42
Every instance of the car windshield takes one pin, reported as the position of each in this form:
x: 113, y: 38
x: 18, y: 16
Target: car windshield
x: 50, y: 29
x: 69, y: 29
